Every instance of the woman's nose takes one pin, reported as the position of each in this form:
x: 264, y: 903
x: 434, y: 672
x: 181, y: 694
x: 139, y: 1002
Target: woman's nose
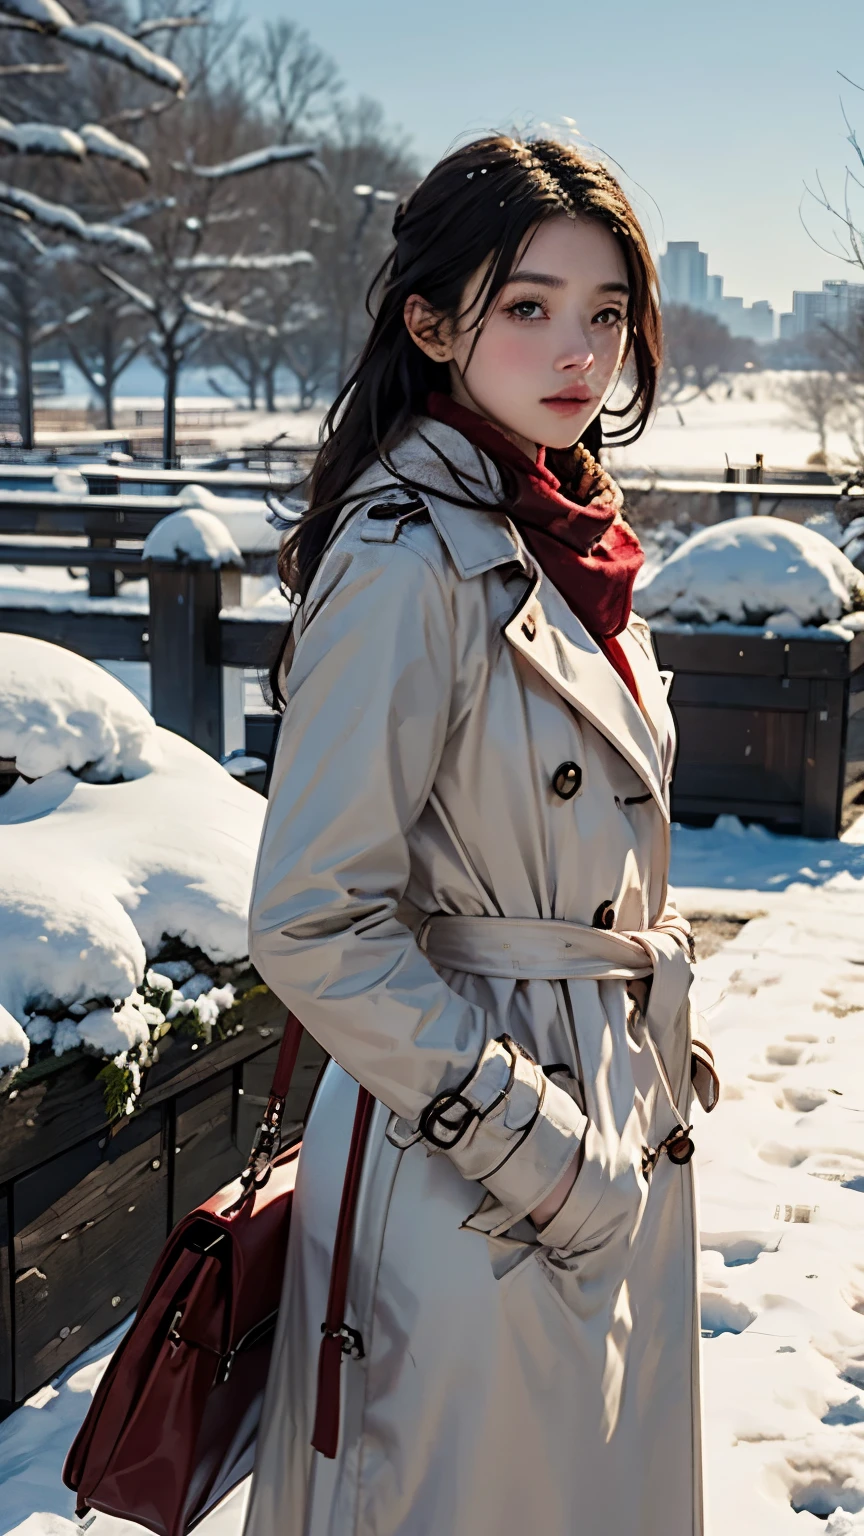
x: 578, y: 356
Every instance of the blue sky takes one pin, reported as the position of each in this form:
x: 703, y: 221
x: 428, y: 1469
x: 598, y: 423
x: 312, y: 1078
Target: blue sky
x: 717, y: 113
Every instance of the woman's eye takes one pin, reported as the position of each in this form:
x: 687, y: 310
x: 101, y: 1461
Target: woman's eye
x: 609, y: 317
x: 526, y: 309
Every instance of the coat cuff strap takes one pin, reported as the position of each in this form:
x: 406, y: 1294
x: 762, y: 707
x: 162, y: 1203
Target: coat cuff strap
x: 508, y: 1126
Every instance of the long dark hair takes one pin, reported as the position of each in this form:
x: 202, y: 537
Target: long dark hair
x: 476, y: 206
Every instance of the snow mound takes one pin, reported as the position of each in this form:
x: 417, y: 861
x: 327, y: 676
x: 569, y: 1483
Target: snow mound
x: 245, y: 517
x: 95, y: 875
x: 58, y: 710
x: 750, y: 569
x: 193, y: 535
x: 14, y: 1044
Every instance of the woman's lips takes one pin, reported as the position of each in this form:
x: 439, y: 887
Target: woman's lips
x: 566, y: 405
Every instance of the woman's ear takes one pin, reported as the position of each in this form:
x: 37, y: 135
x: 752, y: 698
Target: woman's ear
x: 428, y: 329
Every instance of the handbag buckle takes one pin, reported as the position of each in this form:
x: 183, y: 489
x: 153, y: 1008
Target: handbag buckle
x: 264, y: 1147
x: 352, y: 1340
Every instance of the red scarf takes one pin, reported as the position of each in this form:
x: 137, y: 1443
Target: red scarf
x: 586, y: 549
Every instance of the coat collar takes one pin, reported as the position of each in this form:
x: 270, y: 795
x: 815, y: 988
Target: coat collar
x: 475, y: 539
x: 544, y: 629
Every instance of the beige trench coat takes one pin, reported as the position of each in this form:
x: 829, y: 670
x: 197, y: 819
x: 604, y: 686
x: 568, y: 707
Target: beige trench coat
x: 511, y: 1377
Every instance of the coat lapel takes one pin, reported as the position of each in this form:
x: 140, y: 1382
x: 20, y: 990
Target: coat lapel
x: 653, y: 690
x: 547, y: 633
x: 543, y: 629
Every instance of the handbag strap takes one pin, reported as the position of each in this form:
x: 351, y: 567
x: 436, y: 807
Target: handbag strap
x: 338, y: 1339
x: 266, y: 1143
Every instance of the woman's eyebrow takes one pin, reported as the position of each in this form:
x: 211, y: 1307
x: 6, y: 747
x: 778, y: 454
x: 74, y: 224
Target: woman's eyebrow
x: 546, y: 280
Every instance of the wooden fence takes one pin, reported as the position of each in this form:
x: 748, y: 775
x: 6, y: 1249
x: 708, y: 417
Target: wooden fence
x: 195, y: 634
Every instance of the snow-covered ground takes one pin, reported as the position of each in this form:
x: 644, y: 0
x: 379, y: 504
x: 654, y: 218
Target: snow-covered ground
x: 740, y: 417
x: 781, y: 1171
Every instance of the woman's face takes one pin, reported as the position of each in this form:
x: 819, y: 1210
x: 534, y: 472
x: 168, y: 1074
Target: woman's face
x: 550, y: 347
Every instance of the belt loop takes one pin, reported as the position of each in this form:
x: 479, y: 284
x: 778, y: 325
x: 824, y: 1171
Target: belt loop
x: 423, y: 933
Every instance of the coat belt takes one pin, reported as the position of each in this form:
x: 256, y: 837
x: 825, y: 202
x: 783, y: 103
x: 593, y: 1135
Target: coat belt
x: 550, y: 949
x: 538, y: 949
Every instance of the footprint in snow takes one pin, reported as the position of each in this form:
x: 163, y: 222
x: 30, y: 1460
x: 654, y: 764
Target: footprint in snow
x: 802, y: 1100
x: 737, y: 1248
x: 845, y: 1414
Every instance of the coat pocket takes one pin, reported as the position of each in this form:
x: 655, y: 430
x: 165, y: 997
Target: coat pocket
x: 592, y: 1234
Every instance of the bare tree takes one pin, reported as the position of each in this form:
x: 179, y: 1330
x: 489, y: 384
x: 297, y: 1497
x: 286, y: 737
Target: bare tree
x: 698, y: 350
x: 289, y: 79
x: 815, y: 401
x: 103, y: 342
x: 26, y: 258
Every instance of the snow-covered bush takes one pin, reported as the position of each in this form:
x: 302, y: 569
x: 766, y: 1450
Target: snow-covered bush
x: 131, y: 843
x: 753, y: 570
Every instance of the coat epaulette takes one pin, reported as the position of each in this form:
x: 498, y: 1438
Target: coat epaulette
x: 383, y: 518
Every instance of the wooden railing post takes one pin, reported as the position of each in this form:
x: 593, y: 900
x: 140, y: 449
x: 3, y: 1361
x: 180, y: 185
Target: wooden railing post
x: 103, y: 578
x: 186, y: 689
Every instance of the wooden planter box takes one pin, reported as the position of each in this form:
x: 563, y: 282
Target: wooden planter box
x: 85, y: 1206
x: 771, y: 730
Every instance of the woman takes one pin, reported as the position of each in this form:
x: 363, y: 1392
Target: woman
x: 462, y: 893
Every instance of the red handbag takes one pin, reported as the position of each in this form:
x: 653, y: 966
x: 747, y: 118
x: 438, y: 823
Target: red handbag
x: 173, y: 1423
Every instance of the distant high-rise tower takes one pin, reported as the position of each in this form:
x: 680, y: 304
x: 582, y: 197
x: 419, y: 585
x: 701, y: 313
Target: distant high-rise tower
x: 684, y: 279
x: 684, y: 274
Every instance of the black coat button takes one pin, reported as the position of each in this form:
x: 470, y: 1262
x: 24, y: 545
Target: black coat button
x: 680, y: 1149
x: 566, y: 780
x: 604, y: 917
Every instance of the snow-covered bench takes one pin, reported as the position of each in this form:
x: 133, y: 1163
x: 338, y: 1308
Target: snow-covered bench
x: 761, y: 621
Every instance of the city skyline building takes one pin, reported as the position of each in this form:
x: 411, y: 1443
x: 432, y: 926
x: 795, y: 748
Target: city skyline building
x: 685, y: 279
x: 834, y: 306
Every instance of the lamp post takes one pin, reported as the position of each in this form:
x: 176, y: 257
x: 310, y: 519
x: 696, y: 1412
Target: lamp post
x: 370, y: 198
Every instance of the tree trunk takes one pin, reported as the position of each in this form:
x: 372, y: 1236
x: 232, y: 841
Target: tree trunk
x: 169, y: 420
x: 270, y: 388
x: 25, y: 371
x: 108, y: 373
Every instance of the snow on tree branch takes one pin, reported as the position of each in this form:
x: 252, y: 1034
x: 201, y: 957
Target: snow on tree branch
x: 45, y: 332
x: 137, y: 295
x: 98, y: 37
x: 48, y: 139
x: 32, y: 69
x: 58, y: 216
x: 275, y: 263
x: 138, y: 114
x: 214, y: 314
x: 255, y: 161
x: 41, y: 139
x: 45, y: 13
x: 143, y: 210
x: 101, y: 141
x: 167, y: 24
